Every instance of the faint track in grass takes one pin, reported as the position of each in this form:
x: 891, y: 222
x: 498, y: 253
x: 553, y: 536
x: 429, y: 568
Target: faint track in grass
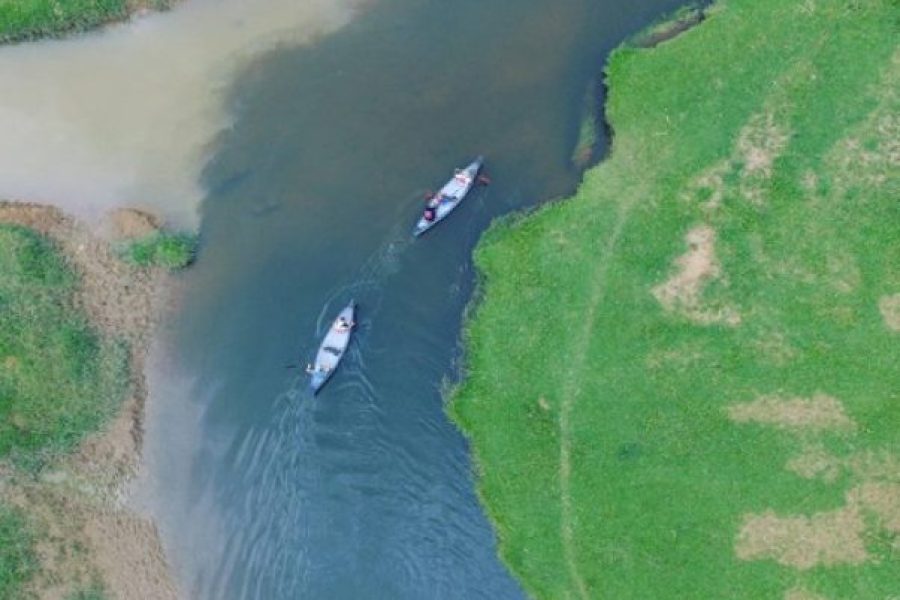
x: 570, y: 392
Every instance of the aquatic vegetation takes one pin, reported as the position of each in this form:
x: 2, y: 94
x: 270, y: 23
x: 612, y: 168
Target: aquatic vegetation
x: 18, y: 561
x: 682, y: 382
x: 584, y: 149
x: 59, y: 378
x: 669, y: 26
x: 163, y: 249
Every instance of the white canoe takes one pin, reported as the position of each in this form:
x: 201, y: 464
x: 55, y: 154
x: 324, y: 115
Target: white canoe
x: 449, y: 197
x: 333, y: 348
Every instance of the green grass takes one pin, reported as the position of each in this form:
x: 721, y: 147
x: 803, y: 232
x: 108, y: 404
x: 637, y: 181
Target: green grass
x: 598, y: 420
x: 58, y: 378
x: 28, y: 19
x: 18, y: 561
x: 164, y: 249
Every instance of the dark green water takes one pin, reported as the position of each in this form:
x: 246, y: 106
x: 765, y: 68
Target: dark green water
x: 365, y: 491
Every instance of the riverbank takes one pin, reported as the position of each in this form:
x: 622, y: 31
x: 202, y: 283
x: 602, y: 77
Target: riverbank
x: 69, y: 481
x: 681, y: 382
x: 32, y: 19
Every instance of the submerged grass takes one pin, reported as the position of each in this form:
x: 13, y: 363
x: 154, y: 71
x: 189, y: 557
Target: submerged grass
x: 737, y: 245
x: 59, y: 379
x: 585, y: 145
x: 669, y: 26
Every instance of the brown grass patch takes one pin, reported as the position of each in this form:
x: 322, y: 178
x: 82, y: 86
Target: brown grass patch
x: 800, y: 593
x: 120, y: 299
x: 844, y: 275
x: 824, y: 539
x: 674, y: 358
x: 775, y: 348
x: 681, y: 293
x: 890, y: 311
x: 882, y: 500
x: 760, y: 142
x: 871, y: 156
x: 127, y: 550
x: 875, y: 466
x: 130, y: 223
x: 710, y: 185
x: 818, y: 413
x: 815, y: 462
x: 86, y: 537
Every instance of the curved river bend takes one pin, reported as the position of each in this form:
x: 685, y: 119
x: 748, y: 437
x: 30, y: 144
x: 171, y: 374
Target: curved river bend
x: 365, y: 491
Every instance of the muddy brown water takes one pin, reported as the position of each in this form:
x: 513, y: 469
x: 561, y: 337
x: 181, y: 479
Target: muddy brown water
x: 365, y: 491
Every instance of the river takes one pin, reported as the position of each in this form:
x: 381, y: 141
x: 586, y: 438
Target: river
x: 365, y: 491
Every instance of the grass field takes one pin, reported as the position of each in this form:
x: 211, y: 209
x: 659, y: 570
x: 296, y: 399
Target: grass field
x: 683, y: 382
x: 29, y: 19
x: 17, y: 557
x: 58, y: 379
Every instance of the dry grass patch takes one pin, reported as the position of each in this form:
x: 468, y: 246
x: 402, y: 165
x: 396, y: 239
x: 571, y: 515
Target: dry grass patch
x: 681, y: 293
x: 817, y: 413
x: 824, y: 539
x: 882, y: 500
x: 761, y: 141
x: 816, y: 462
x: 118, y: 298
x: 871, y: 156
x: 130, y: 223
x: 759, y: 145
x: 709, y: 186
x: 844, y: 275
x: 890, y: 311
x: 875, y: 466
x: 775, y: 348
x: 679, y: 357
x: 88, y: 538
x: 800, y: 593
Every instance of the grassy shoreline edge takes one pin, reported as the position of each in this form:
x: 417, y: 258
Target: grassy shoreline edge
x: 29, y: 20
x: 768, y: 158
